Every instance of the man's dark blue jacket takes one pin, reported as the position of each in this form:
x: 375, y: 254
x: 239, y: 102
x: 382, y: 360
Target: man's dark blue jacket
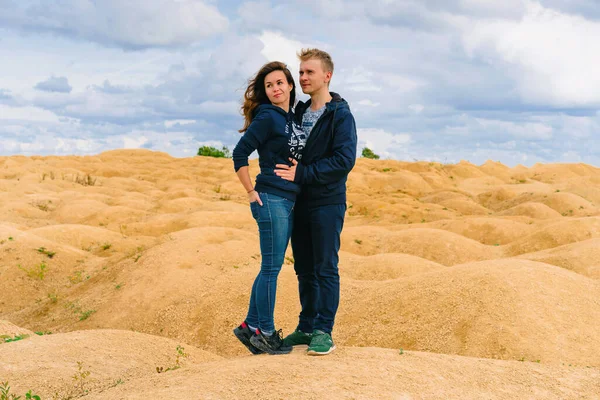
x: 329, y: 155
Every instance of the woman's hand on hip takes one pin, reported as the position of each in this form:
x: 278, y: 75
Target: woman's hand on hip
x: 253, y: 196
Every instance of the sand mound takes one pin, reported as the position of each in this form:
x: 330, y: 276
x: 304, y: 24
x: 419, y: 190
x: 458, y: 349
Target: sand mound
x: 489, y: 231
x: 532, y: 210
x: 381, y: 267
x: 368, y: 373
x: 436, y: 245
x: 495, y: 309
x: 9, y: 330
x: 483, y: 261
x: 581, y: 257
x: 48, y: 363
x: 556, y: 234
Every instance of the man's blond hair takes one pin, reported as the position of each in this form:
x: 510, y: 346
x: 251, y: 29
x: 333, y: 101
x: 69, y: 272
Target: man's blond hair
x: 308, y: 54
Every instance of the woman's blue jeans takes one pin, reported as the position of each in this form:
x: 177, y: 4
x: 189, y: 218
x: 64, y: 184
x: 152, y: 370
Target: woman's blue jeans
x: 274, y: 220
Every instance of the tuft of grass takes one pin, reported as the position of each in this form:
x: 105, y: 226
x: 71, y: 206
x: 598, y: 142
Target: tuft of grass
x: 106, y: 246
x: 53, y: 296
x: 42, y: 333
x: 37, y: 272
x: 86, y: 314
x: 80, y: 379
x: 357, y: 241
x: 225, y: 197
x: 85, y: 180
x: 290, y: 260
x: 401, y: 351
x: 43, y: 250
x: 6, y: 395
x: 118, y: 286
x: 76, y: 307
x: 386, y: 170
x: 217, y: 189
x: 42, y: 205
x: 8, y: 339
x: 181, y: 355
x: 77, y: 277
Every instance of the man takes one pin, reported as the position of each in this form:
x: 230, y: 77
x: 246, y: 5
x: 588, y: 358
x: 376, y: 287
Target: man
x: 328, y: 157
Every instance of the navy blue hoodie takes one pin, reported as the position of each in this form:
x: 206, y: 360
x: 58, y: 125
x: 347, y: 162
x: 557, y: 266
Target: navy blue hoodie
x: 270, y: 133
x: 329, y: 154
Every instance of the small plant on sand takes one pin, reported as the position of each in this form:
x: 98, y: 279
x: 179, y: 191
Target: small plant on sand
x: 53, y: 296
x: 76, y: 307
x: 77, y: 277
x: 357, y: 241
x: 217, y: 189
x: 401, y: 351
x: 8, y: 339
x: 122, y: 229
x: 225, y: 197
x: 81, y: 379
x: 181, y: 355
x: 289, y: 260
x: 6, y: 395
x: 49, y: 253
x: 86, y: 314
x: 37, y: 272
x: 106, y: 246
x: 42, y: 205
x: 85, y: 180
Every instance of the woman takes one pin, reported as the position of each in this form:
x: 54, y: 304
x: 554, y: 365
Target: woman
x: 269, y: 129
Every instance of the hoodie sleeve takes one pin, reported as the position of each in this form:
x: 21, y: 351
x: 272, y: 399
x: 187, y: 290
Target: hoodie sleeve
x: 256, y: 134
x: 340, y: 163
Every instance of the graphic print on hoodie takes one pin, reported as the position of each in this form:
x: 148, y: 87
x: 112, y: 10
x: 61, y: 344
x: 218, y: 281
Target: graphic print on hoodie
x: 297, y: 140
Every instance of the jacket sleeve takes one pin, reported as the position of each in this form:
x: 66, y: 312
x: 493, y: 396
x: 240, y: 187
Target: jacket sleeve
x: 339, y: 164
x: 256, y: 134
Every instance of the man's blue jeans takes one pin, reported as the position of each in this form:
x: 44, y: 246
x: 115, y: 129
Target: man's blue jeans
x: 274, y: 220
x: 316, y: 242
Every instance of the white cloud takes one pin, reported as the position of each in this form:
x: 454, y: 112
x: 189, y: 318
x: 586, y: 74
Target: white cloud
x: 277, y: 47
x: 383, y: 143
x: 171, y: 123
x: 131, y: 24
x: 55, y: 84
x: 551, y: 55
x: 529, y: 130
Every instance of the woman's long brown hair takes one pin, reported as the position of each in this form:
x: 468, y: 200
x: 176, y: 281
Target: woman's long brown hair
x: 256, y: 95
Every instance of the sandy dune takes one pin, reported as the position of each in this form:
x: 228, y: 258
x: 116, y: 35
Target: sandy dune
x: 487, y: 278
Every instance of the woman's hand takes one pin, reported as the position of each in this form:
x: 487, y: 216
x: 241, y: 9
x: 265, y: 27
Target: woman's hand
x: 253, y: 196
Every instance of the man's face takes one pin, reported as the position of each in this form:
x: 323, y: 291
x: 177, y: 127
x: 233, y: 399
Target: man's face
x: 312, y: 76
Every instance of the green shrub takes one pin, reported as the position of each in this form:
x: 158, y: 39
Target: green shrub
x: 210, y: 151
x: 368, y: 153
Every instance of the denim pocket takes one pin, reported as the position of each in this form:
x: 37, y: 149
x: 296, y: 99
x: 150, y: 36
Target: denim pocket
x: 253, y: 209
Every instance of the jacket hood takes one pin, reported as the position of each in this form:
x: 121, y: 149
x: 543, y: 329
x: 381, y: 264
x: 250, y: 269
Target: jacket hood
x: 337, y: 102
x: 270, y: 108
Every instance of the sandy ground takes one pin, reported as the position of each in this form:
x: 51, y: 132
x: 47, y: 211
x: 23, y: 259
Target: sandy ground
x: 458, y: 281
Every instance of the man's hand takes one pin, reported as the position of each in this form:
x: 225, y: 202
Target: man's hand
x: 286, y: 172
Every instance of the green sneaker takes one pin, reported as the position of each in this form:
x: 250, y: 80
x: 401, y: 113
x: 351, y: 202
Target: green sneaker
x: 296, y: 338
x: 321, y: 344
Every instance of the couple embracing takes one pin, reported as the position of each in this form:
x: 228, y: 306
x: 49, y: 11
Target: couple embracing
x: 305, y: 154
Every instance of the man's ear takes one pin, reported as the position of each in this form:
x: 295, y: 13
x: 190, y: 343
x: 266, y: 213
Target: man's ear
x: 328, y: 76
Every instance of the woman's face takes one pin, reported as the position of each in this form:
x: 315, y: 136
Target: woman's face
x: 278, y: 89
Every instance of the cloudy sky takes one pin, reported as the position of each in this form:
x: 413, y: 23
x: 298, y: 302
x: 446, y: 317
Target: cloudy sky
x: 516, y: 81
